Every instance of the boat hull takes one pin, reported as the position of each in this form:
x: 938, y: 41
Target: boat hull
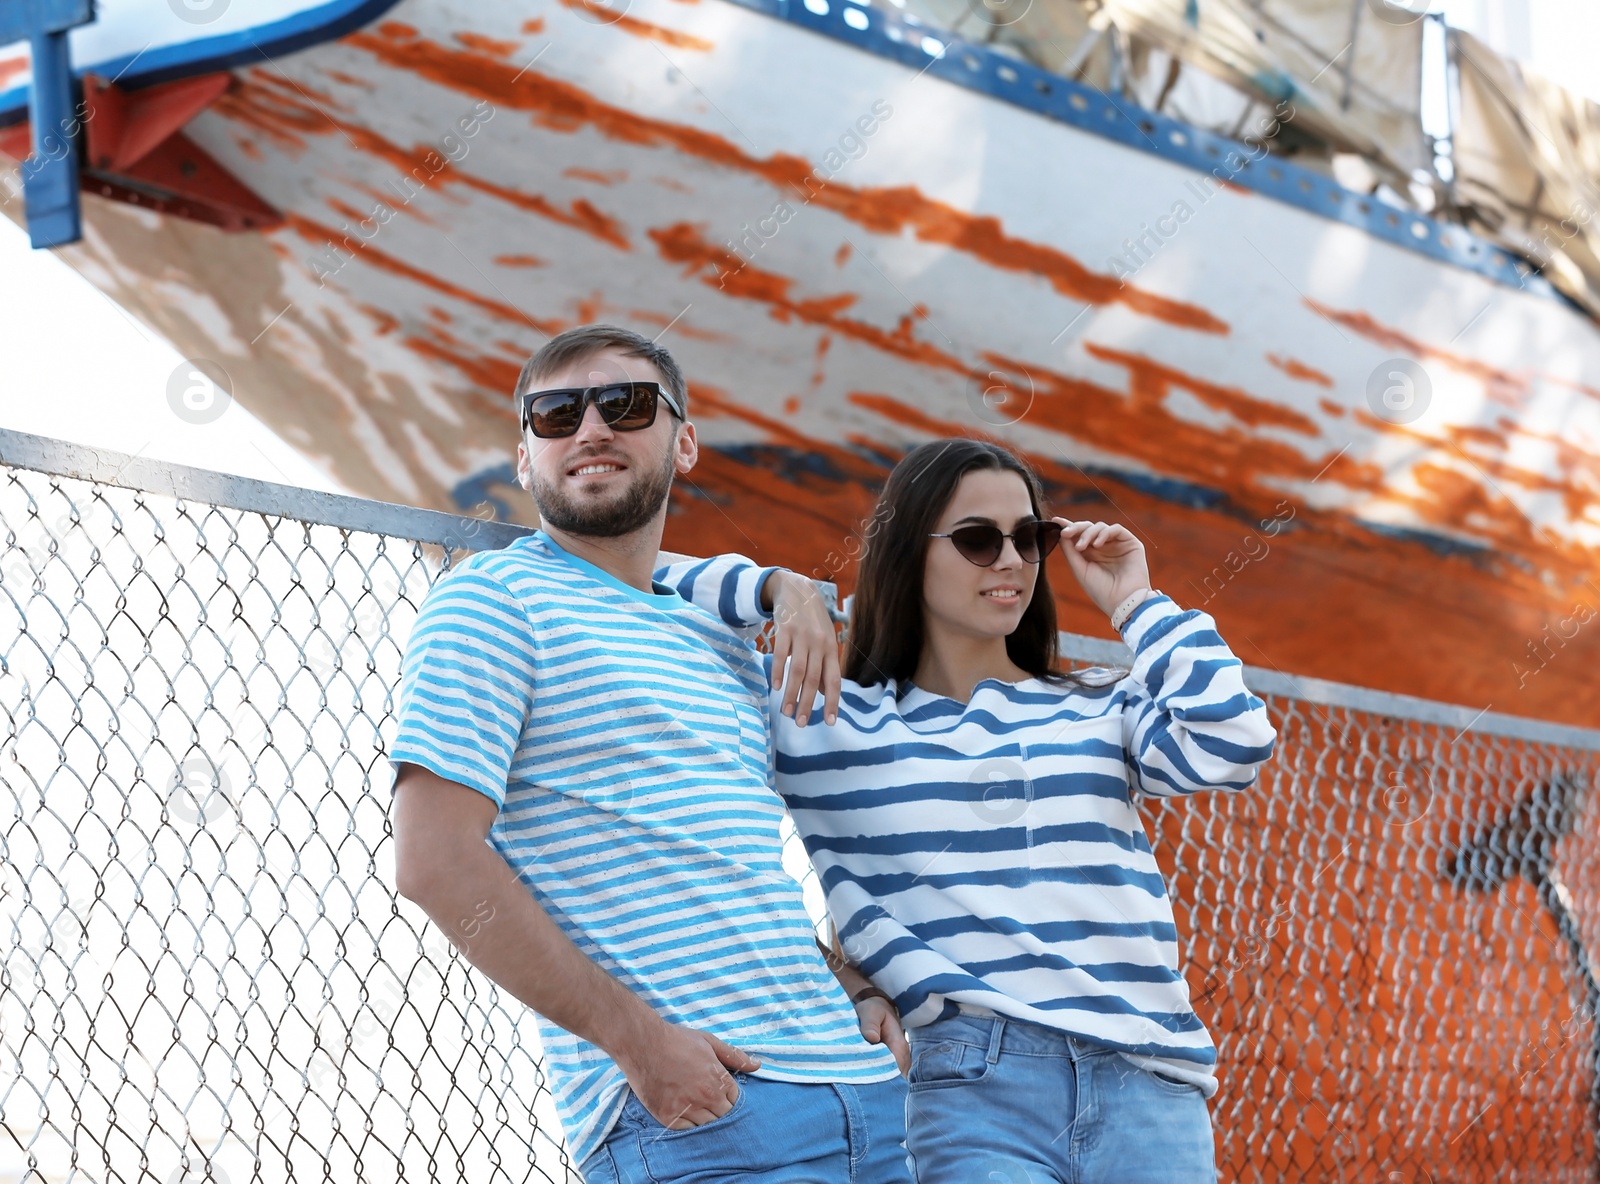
x: 847, y: 268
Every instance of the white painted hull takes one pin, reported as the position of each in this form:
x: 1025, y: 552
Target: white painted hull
x: 849, y: 253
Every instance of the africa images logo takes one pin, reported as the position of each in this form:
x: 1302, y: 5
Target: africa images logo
x: 199, y: 391
x: 1399, y: 391
x: 198, y: 12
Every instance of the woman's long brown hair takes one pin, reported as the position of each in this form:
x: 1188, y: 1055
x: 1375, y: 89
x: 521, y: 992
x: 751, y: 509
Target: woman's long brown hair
x: 886, y: 623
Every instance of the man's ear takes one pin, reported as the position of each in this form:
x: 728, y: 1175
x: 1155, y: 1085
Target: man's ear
x: 524, y: 466
x: 686, y: 448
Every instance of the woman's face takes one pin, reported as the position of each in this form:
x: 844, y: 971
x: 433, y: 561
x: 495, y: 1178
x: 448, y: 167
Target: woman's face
x: 957, y: 594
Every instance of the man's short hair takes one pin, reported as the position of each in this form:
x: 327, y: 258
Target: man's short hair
x: 573, y: 346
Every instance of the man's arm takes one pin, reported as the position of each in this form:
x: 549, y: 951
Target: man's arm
x: 444, y: 864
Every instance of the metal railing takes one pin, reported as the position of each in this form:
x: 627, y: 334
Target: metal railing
x: 209, y: 977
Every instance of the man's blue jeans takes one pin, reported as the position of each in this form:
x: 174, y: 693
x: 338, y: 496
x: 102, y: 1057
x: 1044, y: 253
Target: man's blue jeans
x: 777, y: 1133
x: 998, y: 1101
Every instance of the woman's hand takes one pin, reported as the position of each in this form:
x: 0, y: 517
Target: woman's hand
x: 1107, y: 560
x: 805, y: 648
x: 880, y: 1024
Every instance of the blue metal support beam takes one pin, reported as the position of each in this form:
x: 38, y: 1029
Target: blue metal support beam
x: 50, y: 175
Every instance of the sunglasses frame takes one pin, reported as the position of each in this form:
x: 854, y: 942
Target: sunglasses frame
x: 1044, y: 526
x: 588, y: 396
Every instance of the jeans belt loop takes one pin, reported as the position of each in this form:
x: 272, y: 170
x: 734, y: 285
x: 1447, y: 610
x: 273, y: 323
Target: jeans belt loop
x: 995, y: 1035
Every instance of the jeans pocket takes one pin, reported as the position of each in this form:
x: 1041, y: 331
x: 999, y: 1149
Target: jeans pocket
x: 1173, y: 1086
x: 938, y: 1064
x: 722, y: 1145
x: 599, y: 1168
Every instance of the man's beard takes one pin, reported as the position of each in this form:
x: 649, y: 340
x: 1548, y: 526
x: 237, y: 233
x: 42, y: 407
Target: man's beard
x: 633, y: 510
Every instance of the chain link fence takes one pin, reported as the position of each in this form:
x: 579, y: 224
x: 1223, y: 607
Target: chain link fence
x: 209, y: 977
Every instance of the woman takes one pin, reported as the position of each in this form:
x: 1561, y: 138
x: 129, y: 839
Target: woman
x: 971, y: 819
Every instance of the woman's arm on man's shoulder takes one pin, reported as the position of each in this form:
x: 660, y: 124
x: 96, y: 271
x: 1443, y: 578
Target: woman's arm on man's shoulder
x: 745, y: 596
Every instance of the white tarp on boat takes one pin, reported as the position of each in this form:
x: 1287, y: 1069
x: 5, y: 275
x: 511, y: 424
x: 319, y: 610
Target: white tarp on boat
x: 1355, y: 80
x: 1054, y: 35
x: 1527, y: 160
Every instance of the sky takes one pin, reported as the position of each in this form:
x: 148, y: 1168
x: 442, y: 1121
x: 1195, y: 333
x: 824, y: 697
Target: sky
x: 1558, y: 36
x: 78, y: 368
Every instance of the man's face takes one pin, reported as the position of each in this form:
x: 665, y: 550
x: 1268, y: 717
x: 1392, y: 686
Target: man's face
x: 601, y: 483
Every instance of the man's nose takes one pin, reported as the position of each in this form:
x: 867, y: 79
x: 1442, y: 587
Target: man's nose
x: 593, y: 425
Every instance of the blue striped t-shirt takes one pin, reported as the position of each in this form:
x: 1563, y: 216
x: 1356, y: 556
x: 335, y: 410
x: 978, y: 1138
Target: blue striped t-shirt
x: 989, y: 854
x: 623, y: 735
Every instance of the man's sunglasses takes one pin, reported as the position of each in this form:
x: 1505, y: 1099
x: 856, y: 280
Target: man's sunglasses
x: 624, y: 406
x: 982, y: 544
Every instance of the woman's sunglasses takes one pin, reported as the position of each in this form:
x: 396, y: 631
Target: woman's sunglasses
x: 624, y: 406
x: 982, y: 544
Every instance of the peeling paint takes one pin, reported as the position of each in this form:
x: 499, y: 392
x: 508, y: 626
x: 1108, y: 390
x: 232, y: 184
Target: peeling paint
x: 1503, y: 386
x: 1300, y: 370
x: 618, y: 18
x: 560, y: 106
x: 289, y: 118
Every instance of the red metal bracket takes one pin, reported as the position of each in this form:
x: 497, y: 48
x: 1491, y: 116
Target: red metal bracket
x: 136, y: 152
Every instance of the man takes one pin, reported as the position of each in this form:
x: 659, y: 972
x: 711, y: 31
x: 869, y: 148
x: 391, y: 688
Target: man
x: 583, y: 805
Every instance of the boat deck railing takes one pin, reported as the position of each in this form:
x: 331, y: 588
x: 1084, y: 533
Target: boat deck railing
x: 209, y: 976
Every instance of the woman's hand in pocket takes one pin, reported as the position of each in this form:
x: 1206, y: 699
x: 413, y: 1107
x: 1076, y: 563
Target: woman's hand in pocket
x: 880, y: 1024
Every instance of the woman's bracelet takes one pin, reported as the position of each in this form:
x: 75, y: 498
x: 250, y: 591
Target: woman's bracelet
x: 1119, y: 616
x: 871, y: 993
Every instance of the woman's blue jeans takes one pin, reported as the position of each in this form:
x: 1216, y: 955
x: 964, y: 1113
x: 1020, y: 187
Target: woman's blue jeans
x: 998, y: 1101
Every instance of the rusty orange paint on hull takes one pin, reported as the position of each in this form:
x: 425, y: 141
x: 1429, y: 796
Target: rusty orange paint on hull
x: 563, y: 107
x: 1149, y: 382
x: 492, y: 378
x: 1141, y: 427
x: 1300, y: 370
x: 1574, y: 462
x: 683, y: 328
x: 315, y: 232
x: 1394, y: 596
x: 1484, y: 452
x: 1504, y: 386
x: 275, y: 109
x: 619, y: 19
x: 850, y: 464
x: 488, y: 45
x: 1249, y: 470
x: 720, y: 268
x: 598, y: 176
x: 350, y: 80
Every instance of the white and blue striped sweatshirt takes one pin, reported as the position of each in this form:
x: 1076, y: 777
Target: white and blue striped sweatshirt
x: 990, y: 854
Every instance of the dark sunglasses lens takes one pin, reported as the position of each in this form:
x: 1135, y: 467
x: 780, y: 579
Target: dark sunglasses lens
x: 556, y: 414
x: 979, y: 544
x: 1035, y: 540
x: 628, y: 406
